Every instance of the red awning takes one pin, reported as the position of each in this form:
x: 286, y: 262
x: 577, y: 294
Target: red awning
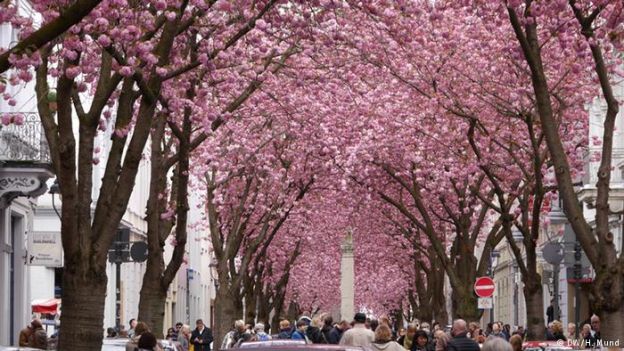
x: 45, y: 305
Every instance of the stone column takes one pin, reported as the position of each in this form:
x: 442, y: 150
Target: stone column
x: 347, y: 279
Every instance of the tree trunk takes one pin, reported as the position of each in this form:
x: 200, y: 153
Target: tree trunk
x: 152, y: 305
x: 84, y: 296
x: 611, y: 325
x: 225, y: 315
x: 534, y: 299
x: 607, y: 295
x: 438, y: 300
x: 465, y: 304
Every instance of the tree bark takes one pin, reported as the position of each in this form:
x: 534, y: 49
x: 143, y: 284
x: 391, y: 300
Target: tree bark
x: 152, y: 304
x: 438, y: 301
x: 225, y: 315
x: 534, y: 299
x: 84, y: 295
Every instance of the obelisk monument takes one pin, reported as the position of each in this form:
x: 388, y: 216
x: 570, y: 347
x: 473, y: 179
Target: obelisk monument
x: 347, y: 279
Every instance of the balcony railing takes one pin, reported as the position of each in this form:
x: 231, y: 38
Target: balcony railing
x: 24, y: 142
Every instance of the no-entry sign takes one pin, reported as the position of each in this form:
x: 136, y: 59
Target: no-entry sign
x: 484, y: 287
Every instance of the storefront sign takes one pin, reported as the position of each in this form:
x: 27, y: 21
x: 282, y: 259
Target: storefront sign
x: 45, y: 249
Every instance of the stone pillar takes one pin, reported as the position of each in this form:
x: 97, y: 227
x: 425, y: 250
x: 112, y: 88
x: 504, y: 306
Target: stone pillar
x: 347, y: 279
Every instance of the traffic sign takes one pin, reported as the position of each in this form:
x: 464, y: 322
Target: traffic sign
x: 485, y: 303
x: 484, y: 287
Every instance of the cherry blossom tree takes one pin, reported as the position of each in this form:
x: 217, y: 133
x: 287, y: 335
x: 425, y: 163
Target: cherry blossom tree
x: 181, y: 129
x: 592, y: 29
x: 113, y: 71
x: 56, y: 22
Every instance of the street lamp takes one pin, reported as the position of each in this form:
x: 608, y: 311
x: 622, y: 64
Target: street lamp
x: 213, y: 265
x: 55, y: 189
x: 494, y: 255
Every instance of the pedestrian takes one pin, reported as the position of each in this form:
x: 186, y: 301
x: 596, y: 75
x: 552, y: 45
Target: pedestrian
x: 516, y: 342
x: 595, y: 325
x: 520, y: 331
x: 571, y: 333
x: 506, y: 331
x: 131, y: 331
x: 441, y: 340
x: 285, y: 331
x: 496, y: 344
x: 139, y: 329
x: 201, y: 337
x: 586, y: 337
x: 460, y: 342
x: 496, y: 331
x: 421, y: 342
x: 171, y: 334
x: 25, y: 334
x: 300, y: 332
x: 336, y: 333
x: 374, y: 324
x: 38, y: 339
x: 407, y: 339
x: 111, y: 333
x: 147, y: 342
x: 550, y: 311
x: 314, y: 333
x: 556, y: 332
x: 184, y: 337
x: 328, y: 325
x: 425, y: 326
x: 383, y: 340
x: 358, y: 336
x: 260, y: 334
x: 176, y: 331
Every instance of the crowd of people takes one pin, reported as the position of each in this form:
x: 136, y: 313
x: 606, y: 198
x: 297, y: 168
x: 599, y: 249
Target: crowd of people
x: 382, y: 335
x: 141, y: 338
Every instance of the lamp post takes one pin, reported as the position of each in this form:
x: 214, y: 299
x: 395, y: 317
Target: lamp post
x: 55, y: 189
x: 494, y: 255
x: 215, y: 282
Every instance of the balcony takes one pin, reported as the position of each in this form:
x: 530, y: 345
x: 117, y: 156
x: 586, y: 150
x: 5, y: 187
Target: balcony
x: 25, y: 163
x: 25, y: 142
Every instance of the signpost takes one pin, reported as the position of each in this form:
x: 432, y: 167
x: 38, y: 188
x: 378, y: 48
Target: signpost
x: 484, y: 288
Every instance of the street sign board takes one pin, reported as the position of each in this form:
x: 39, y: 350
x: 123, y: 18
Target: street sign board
x: 139, y: 251
x: 553, y: 252
x: 45, y: 249
x: 485, y: 303
x: 484, y: 287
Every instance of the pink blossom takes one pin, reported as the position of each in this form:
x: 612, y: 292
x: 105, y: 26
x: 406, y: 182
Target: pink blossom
x: 72, y: 72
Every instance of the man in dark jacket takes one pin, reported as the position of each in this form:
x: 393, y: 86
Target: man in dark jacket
x: 336, y: 333
x: 201, y: 337
x: 328, y: 324
x: 460, y: 342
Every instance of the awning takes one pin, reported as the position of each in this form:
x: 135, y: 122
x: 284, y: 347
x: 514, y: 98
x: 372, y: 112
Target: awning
x: 45, y: 305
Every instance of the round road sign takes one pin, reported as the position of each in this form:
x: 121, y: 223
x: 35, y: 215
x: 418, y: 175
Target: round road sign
x: 138, y: 251
x: 484, y: 287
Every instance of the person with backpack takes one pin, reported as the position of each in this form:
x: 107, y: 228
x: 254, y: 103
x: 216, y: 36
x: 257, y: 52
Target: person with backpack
x: 260, y: 334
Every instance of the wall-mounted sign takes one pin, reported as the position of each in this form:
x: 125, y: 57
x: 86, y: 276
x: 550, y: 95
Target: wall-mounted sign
x: 45, y: 249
